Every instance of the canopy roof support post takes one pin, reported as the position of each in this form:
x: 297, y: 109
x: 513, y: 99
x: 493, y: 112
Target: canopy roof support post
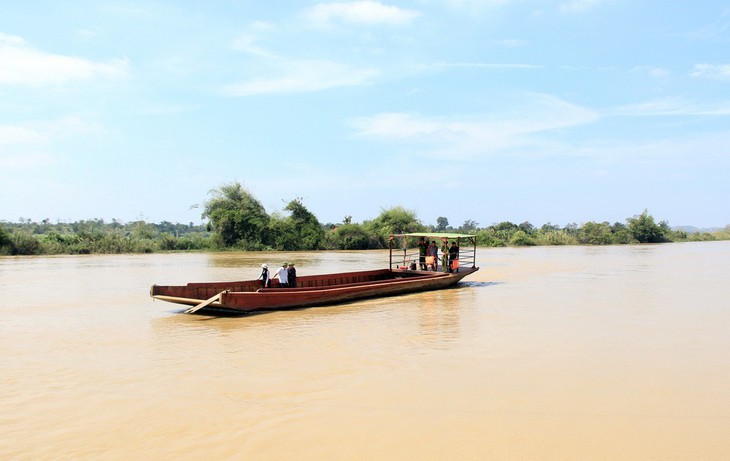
x: 390, y: 245
x: 474, y: 254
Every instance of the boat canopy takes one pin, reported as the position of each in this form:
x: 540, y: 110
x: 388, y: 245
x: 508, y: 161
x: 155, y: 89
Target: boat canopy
x: 466, y: 257
x: 446, y: 235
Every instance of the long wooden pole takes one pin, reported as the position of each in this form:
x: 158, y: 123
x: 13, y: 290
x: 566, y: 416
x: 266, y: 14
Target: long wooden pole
x: 205, y: 303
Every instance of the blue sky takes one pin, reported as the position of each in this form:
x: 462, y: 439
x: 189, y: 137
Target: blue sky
x: 490, y: 110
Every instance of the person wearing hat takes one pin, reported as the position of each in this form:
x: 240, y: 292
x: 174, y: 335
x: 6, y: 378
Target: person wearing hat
x: 453, y: 258
x: 281, y: 274
x: 291, y: 276
x: 264, y: 277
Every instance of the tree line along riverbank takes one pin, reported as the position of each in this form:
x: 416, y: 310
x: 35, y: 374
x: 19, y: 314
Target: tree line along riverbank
x: 236, y: 220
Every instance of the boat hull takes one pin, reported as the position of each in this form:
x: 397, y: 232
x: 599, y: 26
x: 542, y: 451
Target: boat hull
x: 311, y: 291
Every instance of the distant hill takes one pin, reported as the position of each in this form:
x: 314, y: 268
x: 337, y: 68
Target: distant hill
x: 695, y: 230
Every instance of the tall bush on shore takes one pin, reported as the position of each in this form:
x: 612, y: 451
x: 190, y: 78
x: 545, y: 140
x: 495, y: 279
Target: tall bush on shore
x: 6, y: 244
x: 348, y: 237
x: 644, y: 230
x: 521, y: 239
x: 593, y: 233
x: 237, y: 216
x: 24, y: 243
x: 301, y: 230
x: 396, y: 220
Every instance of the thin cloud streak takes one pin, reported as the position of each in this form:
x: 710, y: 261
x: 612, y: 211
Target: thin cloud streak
x: 364, y: 12
x: 302, y: 77
x: 23, y: 65
x: 673, y: 107
x: 578, y: 6
x: 711, y: 71
x: 466, y: 137
x: 486, y: 65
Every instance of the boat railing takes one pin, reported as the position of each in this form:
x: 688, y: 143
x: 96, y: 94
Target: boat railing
x: 407, y: 261
x: 393, y: 280
x: 413, y: 259
x: 466, y: 259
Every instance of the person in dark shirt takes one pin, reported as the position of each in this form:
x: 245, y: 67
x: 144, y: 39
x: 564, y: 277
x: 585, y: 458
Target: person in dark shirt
x: 422, y: 251
x: 453, y: 256
x: 433, y: 253
x: 264, y: 277
x: 445, y: 256
x: 292, y: 276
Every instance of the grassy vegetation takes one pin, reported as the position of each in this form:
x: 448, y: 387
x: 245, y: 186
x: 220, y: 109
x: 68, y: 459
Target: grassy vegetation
x: 98, y: 237
x: 238, y: 221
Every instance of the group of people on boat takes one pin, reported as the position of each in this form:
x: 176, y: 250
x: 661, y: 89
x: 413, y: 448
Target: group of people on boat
x: 287, y: 275
x: 428, y: 255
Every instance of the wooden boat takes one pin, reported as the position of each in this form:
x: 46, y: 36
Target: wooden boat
x: 316, y: 290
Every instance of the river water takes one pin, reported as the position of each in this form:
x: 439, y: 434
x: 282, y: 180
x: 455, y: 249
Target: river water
x: 560, y: 353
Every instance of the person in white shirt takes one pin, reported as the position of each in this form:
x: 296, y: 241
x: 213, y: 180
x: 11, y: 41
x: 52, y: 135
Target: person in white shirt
x: 281, y: 274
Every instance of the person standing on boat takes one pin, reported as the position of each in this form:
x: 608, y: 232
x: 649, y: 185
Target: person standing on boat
x: 422, y: 251
x: 282, y: 275
x: 264, y: 277
x: 453, y: 256
x: 445, y: 256
x: 433, y: 253
x: 291, y: 276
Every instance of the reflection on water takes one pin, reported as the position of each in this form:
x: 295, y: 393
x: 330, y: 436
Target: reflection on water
x: 545, y: 353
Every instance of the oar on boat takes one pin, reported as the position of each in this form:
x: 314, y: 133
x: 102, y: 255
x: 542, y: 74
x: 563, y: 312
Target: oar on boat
x: 205, y: 303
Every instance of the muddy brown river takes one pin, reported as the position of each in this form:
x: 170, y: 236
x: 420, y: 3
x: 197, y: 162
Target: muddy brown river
x: 560, y: 353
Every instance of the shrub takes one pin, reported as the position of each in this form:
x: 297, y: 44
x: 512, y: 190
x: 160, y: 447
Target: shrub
x: 489, y: 238
x: 348, y: 237
x: 24, y: 243
x: 6, y: 244
x: 520, y: 238
x: 556, y: 237
x: 644, y: 230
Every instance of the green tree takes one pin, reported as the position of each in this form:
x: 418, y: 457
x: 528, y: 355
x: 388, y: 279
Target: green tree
x: 6, y: 244
x: 620, y: 233
x: 237, y: 216
x: 349, y: 237
x: 441, y: 224
x: 520, y: 238
x: 488, y: 238
x: 394, y: 220
x: 593, y: 233
x: 469, y: 226
x: 282, y: 233
x: 504, y: 230
x: 528, y: 228
x: 644, y: 230
x: 307, y: 229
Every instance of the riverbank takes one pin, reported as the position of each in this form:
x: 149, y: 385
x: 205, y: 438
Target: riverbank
x: 99, y: 237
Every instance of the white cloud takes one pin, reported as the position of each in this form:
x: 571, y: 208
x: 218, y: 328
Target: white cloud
x: 14, y: 135
x: 511, y: 42
x: 26, y: 160
x: 303, y: 76
x: 715, y: 72
x: 469, y: 136
x: 359, y: 12
x: 248, y: 41
x: 472, y: 4
x: 33, y: 143
x: 576, y: 6
x: 247, y: 44
x: 23, y: 65
x: 675, y: 107
x: 487, y: 65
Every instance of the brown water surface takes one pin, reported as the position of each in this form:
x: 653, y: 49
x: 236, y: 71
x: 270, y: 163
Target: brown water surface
x: 565, y: 353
